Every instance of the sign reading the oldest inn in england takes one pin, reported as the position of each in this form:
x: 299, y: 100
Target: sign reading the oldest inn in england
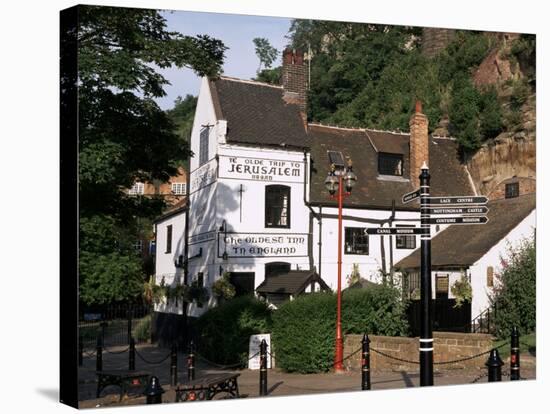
x: 262, y: 244
x: 261, y: 169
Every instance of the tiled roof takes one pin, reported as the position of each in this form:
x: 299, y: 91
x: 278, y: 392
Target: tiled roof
x: 464, y: 245
x: 449, y: 177
x: 293, y: 282
x: 257, y: 114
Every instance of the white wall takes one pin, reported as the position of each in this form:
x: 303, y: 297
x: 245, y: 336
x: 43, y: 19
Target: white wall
x: 369, y: 265
x: 164, y: 262
x: 480, y: 296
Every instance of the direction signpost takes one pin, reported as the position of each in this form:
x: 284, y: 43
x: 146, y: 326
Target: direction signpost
x: 465, y: 220
x: 459, y: 210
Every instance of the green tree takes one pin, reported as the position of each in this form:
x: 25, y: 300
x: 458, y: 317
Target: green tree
x: 265, y: 52
x: 124, y: 136
x: 182, y: 115
x: 515, y: 291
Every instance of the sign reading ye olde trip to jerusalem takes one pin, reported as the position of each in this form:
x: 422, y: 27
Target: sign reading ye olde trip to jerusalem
x: 262, y: 244
x: 261, y: 169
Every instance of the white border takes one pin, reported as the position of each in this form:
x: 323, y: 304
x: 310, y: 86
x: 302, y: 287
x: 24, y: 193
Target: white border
x: 29, y: 131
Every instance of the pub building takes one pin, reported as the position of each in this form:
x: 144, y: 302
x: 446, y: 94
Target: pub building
x: 258, y: 208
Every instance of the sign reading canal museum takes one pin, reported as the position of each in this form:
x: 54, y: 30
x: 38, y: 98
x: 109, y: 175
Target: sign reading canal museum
x: 261, y: 169
x: 263, y: 244
x: 395, y: 231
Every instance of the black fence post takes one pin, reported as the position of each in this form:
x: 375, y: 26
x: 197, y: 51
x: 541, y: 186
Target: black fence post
x: 99, y: 354
x: 365, y: 364
x: 80, y: 350
x: 191, y: 362
x: 154, y: 391
x: 129, y: 327
x: 494, y: 365
x: 514, y: 355
x: 132, y: 355
x: 103, y: 325
x: 263, y: 368
x: 174, y: 365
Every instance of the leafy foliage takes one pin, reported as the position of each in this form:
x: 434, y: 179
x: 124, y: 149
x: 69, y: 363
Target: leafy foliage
x: 124, y: 136
x: 514, y: 294
x: 366, y: 75
x: 462, y: 291
x: 223, y: 288
x: 304, y: 329
x: 272, y: 76
x: 223, y: 332
x: 265, y: 52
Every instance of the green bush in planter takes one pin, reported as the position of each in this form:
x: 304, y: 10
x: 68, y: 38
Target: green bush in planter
x: 223, y: 332
x: 304, y: 329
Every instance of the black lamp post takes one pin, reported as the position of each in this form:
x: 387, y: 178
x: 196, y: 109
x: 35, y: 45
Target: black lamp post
x: 334, y: 183
x: 223, y: 228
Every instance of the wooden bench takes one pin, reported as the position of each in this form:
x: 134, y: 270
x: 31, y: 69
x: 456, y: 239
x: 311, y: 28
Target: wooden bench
x: 206, y: 387
x: 125, y: 380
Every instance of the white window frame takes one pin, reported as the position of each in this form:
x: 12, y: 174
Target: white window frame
x: 137, y: 189
x: 179, y: 188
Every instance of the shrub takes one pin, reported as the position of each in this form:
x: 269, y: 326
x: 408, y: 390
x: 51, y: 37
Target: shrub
x: 515, y: 290
x: 304, y: 329
x: 223, y: 332
x: 142, y: 330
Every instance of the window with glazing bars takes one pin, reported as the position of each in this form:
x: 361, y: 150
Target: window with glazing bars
x: 390, y: 164
x: 356, y: 241
x: 277, y: 206
x: 512, y: 190
x: 203, y: 149
x: 405, y: 241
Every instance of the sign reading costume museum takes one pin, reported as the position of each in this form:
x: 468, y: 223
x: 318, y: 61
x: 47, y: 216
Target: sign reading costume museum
x: 203, y: 176
x: 261, y: 169
x: 263, y: 244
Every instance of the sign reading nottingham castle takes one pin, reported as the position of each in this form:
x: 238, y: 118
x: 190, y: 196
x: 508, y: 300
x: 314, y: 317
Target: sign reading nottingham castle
x: 263, y: 244
x: 261, y: 169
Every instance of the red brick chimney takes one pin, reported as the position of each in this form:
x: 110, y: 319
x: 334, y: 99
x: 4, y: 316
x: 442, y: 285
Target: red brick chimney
x: 418, y: 147
x: 294, y: 78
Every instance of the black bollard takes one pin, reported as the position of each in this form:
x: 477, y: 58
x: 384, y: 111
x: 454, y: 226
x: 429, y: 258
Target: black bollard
x: 153, y: 391
x: 263, y: 368
x: 99, y: 354
x: 514, y: 355
x: 191, y: 362
x: 494, y: 365
x: 80, y: 351
x: 365, y: 364
x: 174, y: 365
x: 132, y: 355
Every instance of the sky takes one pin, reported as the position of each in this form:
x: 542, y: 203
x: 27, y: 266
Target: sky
x: 236, y: 32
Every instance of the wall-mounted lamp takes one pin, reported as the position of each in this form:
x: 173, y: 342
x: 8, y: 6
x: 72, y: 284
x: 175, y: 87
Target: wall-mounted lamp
x: 223, y: 228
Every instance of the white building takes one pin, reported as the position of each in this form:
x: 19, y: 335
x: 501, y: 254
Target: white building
x: 257, y: 202
x: 475, y: 251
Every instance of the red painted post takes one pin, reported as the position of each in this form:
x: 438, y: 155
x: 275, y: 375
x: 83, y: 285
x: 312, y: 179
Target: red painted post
x: 339, y: 354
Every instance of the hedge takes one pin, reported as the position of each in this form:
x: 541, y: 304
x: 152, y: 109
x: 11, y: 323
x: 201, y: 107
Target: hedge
x: 304, y: 329
x: 223, y: 332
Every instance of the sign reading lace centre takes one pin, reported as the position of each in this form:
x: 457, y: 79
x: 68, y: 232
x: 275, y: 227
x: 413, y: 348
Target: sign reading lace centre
x: 261, y: 169
x: 262, y: 244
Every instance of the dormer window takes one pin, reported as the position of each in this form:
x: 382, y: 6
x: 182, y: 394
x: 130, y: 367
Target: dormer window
x: 390, y: 164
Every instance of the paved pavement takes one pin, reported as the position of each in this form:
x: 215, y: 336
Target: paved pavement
x: 279, y: 383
